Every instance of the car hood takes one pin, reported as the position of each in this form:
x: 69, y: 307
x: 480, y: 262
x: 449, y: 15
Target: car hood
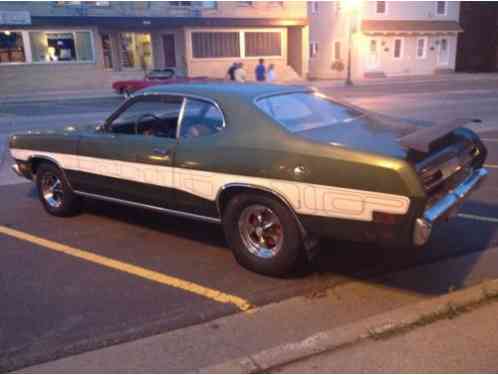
x: 368, y: 133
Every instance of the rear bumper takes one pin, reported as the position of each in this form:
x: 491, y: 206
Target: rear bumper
x: 423, y: 225
x: 22, y: 170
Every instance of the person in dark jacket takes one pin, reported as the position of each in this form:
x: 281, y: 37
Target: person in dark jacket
x: 231, y: 71
x: 260, y: 71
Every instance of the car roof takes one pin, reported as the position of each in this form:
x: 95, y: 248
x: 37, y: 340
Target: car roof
x: 224, y: 91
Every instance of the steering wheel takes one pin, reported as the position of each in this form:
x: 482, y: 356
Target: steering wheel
x: 142, y: 117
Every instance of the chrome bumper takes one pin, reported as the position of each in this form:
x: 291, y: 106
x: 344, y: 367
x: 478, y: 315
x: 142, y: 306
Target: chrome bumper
x: 423, y: 225
x: 16, y: 170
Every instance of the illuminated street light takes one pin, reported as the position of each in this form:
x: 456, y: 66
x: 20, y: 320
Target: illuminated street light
x: 352, y: 7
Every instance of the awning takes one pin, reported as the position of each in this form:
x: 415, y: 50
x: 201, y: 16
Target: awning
x: 410, y: 27
x: 124, y: 22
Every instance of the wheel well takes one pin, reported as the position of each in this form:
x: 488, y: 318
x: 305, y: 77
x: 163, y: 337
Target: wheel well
x: 228, y: 193
x: 36, y: 162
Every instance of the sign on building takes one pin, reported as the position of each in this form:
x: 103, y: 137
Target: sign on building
x: 15, y: 18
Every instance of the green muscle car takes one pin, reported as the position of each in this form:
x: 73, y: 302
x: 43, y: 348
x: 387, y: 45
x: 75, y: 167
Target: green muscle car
x: 277, y: 166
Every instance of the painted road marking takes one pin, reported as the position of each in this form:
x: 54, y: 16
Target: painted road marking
x: 480, y: 218
x: 489, y: 139
x: 144, y: 273
x: 494, y: 166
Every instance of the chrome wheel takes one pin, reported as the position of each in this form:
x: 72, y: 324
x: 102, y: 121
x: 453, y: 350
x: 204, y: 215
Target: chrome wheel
x: 261, y: 231
x: 51, y: 189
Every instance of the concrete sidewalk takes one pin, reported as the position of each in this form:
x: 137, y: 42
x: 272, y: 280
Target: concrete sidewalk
x: 274, y: 335
x: 466, y: 343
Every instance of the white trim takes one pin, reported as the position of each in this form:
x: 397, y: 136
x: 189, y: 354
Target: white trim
x: 304, y: 198
x: 424, y: 51
x: 401, y: 50
x: 445, y: 9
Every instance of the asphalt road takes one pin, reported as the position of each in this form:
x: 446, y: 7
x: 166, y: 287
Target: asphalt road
x: 57, y: 301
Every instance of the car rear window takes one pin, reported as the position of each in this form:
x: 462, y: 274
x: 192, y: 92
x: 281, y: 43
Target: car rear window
x: 303, y: 111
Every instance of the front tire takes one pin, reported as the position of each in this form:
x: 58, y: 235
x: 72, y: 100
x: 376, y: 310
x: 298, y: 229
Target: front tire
x: 263, y: 234
x: 54, y: 192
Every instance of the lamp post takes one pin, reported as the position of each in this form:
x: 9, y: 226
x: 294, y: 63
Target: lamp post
x: 349, y: 82
x: 352, y: 7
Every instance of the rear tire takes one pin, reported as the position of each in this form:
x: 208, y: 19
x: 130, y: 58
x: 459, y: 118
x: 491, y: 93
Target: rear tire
x: 263, y: 234
x: 54, y: 192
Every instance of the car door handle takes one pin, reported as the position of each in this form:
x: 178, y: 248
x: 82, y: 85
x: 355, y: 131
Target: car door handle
x: 161, y: 152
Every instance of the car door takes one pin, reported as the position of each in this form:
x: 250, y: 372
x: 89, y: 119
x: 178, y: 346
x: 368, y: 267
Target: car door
x: 131, y: 159
x: 197, y: 156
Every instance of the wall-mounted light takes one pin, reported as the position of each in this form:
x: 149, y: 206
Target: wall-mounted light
x: 7, y: 32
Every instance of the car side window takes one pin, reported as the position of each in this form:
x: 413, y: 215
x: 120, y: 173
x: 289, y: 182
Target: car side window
x: 200, y: 118
x: 152, y: 116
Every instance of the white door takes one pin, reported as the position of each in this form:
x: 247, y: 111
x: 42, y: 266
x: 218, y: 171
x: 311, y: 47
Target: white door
x: 443, y: 57
x: 373, y: 54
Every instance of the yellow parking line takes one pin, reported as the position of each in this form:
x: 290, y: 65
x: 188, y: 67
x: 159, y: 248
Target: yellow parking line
x: 494, y: 166
x: 480, y: 218
x: 144, y: 273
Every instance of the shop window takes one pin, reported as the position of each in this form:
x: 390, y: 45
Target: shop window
x: 398, y: 48
x: 314, y: 7
x: 263, y: 44
x: 215, y: 44
x: 107, y: 50
x: 11, y: 47
x: 313, y: 49
x: 441, y: 8
x: 136, y: 50
x: 421, y: 48
x: 61, y: 46
x: 337, y: 51
x: 380, y: 7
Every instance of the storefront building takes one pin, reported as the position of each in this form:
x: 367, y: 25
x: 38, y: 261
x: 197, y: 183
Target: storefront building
x: 85, y: 45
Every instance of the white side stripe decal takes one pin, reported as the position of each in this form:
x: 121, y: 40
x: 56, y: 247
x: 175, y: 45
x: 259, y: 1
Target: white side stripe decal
x: 306, y: 199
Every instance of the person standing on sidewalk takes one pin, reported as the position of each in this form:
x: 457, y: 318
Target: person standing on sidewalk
x: 231, y: 71
x: 271, y: 75
x: 260, y: 71
x: 240, y: 73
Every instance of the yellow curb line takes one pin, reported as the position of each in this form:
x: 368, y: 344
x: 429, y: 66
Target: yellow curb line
x: 144, y: 273
x: 491, y: 166
x: 480, y: 218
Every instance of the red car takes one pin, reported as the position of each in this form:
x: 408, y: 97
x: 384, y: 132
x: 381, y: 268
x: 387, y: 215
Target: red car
x: 153, y: 78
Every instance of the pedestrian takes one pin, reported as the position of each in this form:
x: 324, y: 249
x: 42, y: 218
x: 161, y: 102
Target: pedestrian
x: 240, y: 73
x: 231, y: 72
x: 260, y: 71
x: 271, y: 75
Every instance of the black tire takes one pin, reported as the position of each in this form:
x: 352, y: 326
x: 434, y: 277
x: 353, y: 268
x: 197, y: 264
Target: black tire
x: 291, y: 251
x: 64, y: 202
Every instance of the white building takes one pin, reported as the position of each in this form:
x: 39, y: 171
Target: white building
x: 388, y: 38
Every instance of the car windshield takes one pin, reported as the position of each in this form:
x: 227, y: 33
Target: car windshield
x: 303, y: 111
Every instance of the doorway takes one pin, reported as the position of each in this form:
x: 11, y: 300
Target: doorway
x: 443, y: 52
x: 169, y: 50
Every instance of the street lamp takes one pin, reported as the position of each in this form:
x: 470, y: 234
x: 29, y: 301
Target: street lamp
x: 352, y: 7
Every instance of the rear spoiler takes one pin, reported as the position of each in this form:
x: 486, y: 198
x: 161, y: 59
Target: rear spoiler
x: 422, y: 140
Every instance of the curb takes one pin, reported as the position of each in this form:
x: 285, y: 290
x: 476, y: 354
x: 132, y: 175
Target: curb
x: 376, y: 327
x: 37, y: 99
